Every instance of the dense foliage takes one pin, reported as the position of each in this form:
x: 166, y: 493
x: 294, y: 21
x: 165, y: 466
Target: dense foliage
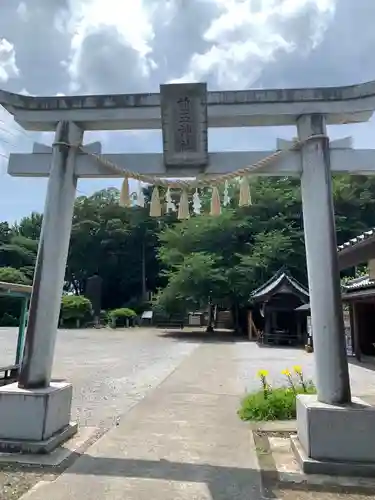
x: 120, y: 244
x: 74, y: 308
x: 227, y: 257
x: 122, y: 316
x: 280, y: 405
x: 218, y: 259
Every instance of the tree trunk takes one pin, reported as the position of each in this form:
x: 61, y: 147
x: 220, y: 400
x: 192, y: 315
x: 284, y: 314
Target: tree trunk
x: 211, y: 318
x: 236, y: 319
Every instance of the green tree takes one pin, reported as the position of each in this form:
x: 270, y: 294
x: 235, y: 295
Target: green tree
x: 9, y: 306
x: 29, y: 226
x: 118, y: 243
x: 246, y: 246
x: 5, y: 232
x: 224, y: 257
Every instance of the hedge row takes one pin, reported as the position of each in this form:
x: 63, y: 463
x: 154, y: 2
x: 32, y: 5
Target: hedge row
x: 76, y: 311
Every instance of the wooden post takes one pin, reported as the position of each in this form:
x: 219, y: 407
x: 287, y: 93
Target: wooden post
x: 250, y: 325
x: 357, y: 346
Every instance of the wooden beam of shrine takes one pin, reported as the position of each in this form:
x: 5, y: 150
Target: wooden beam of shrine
x: 355, y: 161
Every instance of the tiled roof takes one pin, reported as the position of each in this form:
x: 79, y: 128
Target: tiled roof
x: 359, y: 283
x: 358, y: 239
x: 276, y: 280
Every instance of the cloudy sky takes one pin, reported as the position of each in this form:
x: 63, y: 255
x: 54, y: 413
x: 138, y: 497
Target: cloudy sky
x: 50, y: 47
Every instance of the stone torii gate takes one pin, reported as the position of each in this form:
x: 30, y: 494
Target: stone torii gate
x: 323, y: 422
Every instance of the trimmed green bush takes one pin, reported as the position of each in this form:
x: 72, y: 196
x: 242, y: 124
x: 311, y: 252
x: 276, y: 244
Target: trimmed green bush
x: 75, y: 309
x: 122, y: 317
x: 12, y: 275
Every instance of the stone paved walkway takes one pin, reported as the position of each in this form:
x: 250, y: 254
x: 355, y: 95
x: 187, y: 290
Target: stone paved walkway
x: 179, y: 439
x: 183, y: 441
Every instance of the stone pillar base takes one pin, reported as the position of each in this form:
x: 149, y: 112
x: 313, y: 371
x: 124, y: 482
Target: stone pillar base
x: 35, y: 421
x: 335, y: 440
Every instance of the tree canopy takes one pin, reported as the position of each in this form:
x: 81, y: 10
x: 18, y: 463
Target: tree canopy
x: 221, y: 259
x: 228, y: 256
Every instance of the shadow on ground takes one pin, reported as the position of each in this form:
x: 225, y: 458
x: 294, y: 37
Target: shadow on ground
x: 280, y: 346
x: 367, y: 363
x: 216, y: 337
x: 223, y: 482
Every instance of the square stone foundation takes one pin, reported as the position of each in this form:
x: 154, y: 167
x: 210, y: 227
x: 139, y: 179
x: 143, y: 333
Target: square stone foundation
x: 335, y: 439
x: 35, y: 421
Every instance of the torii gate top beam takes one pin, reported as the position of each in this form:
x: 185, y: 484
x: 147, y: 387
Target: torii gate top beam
x: 245, y: 108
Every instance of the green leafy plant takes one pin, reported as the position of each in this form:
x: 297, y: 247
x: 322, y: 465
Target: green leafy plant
x: 121, y: 317
x: 11, y: 275
x: 290, y: 380
x: 75, y: 308
x: 299, y: 373
x: 262, y: 374
x: 278, y: 403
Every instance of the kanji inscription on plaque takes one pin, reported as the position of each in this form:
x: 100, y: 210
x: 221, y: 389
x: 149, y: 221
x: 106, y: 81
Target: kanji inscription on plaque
x: 184, y: 124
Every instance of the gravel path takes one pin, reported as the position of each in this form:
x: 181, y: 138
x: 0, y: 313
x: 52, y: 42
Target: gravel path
x: 111, y: 370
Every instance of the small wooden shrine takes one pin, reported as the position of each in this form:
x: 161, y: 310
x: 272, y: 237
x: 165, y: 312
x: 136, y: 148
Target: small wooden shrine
x: 274, y: 316
x: 359, y: 293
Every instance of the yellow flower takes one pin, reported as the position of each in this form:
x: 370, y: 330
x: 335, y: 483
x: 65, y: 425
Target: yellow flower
x: 286, y: 373
x: 262, y: 373
x: 298, y: 369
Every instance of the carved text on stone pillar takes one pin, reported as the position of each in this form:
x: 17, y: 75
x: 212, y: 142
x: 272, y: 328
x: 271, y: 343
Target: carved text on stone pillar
x: 185, y: 139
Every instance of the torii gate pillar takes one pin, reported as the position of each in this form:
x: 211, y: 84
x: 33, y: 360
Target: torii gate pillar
x: 332, y: 374
x: 36, y: 414
x: 335, y: 433
x: 50, y: 266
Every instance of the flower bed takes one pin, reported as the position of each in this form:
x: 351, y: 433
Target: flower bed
x: 276, y: 403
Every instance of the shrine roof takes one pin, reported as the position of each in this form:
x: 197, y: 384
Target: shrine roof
x: 358, y: 288
x: 359, y: 283
x: 282, y: 282
x: 358, y: 239
x: 348, y: 104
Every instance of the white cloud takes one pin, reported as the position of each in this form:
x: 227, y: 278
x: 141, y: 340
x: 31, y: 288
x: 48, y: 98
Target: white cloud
x: 249, y: 35
x: 9, y: 137
x: 23, y: 11
x: 59, y: 47
x: 8, y: 66
x: 103, y: 29
x: 11, y: 134
x: 25, y: 92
